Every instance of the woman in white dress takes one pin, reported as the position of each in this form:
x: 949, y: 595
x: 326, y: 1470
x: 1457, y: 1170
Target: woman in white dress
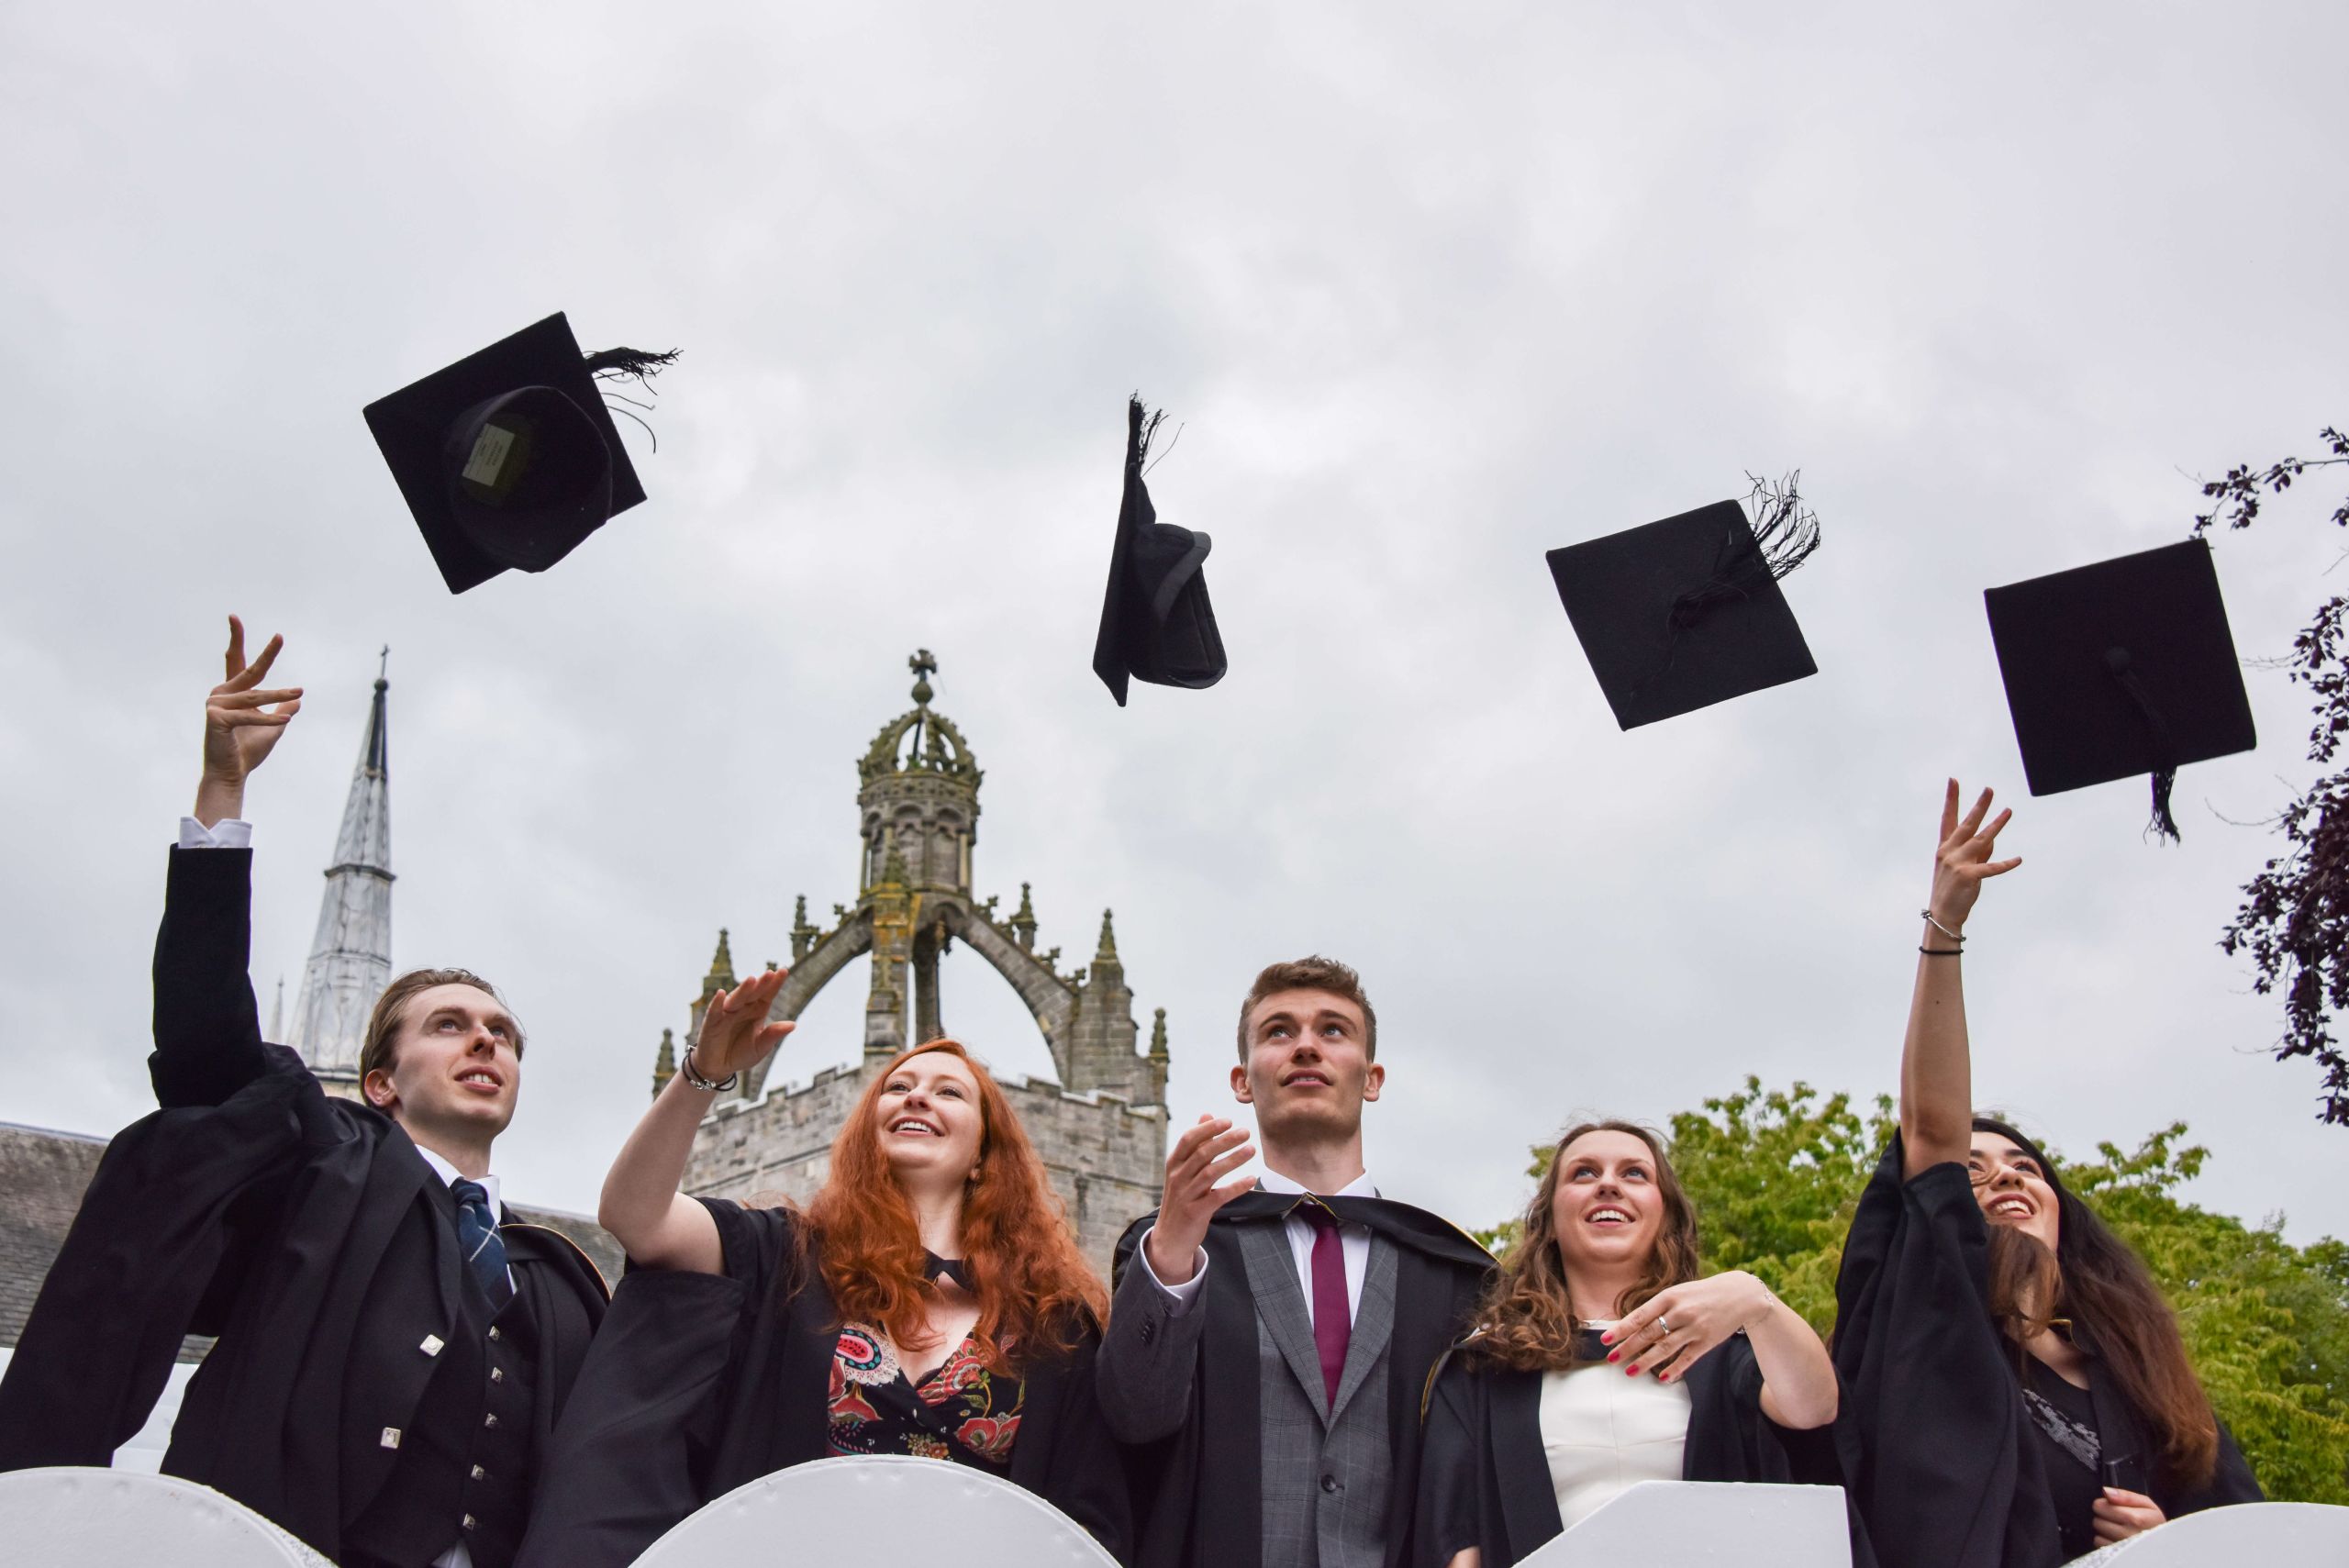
x: 1601, y: 1360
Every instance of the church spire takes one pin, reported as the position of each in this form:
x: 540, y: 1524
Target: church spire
x: 350, y: 955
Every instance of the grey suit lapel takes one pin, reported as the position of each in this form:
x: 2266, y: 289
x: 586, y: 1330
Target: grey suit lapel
x: 1374, y: 1323
x: 1280, y: 1303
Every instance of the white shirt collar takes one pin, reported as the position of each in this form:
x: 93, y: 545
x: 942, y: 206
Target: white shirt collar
x: 1361, y: 1186
x: 451, y: 1174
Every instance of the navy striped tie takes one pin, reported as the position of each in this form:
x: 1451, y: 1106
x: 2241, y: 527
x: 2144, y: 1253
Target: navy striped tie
x: 484, y: 1250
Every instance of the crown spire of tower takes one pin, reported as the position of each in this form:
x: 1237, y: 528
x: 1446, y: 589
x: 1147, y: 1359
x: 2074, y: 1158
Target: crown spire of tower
x: 1108, y: 951
x: 350, y: 954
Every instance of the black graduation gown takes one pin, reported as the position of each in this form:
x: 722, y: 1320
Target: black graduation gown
x: 699, y: 1384
x: 304, y: 1231
x: 1484, y: 1481
x: 1938, y: 1448
x: 1200, y: 1491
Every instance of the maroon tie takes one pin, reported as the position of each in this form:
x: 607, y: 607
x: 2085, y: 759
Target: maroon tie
x: 1333, y: 1322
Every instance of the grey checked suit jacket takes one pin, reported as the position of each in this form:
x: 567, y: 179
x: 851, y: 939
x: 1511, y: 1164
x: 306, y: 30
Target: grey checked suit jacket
x: 1325, y: 1467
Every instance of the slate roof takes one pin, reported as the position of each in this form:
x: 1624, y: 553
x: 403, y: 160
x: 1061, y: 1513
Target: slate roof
x: 43, y: 1173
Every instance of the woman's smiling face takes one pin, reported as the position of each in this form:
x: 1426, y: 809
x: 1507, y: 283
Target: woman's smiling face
x: 1607, y: 1209
x: 928, y: 1116
x: 2013, y: 1187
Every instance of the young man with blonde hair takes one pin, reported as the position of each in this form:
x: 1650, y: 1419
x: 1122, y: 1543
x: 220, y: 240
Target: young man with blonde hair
x: 390, y: 1356
x: 1269, y: 1340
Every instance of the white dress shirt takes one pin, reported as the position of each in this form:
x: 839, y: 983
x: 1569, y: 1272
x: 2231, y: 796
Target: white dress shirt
x: 1353, y: 1242
x: 1602, y: 1431
x: 230, y: 833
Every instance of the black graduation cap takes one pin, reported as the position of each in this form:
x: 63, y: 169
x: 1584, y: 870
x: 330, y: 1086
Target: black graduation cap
x: 509, y: 457
x: 1679, y: 615
x: 1156, y: 623
x: 2121, y: 668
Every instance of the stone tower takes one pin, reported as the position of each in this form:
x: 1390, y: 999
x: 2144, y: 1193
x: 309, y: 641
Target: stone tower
x: 1101, y: 1127
x: 350, y: 955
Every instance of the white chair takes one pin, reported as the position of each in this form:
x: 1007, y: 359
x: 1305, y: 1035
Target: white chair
x: 878, y: 1511
x: 2289, y: 1535
x: 1708, y: 1524
x: 111, y: 1518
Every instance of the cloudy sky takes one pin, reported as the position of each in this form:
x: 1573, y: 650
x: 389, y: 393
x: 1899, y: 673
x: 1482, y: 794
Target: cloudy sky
x: 1431, y: 290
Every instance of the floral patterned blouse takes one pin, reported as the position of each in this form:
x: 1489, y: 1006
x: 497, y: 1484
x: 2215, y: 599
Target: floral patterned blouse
x: 961, y: 1412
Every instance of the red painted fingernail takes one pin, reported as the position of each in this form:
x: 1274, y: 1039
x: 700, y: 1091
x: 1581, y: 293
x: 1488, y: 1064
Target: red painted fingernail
x: 1663, y: 1378
x: 1614, y: 1356
x: 1606, y: 1339
x: 1631, y: 1372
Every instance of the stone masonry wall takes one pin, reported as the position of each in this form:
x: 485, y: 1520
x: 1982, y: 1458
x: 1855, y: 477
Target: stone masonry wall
x: 1107, y: 1158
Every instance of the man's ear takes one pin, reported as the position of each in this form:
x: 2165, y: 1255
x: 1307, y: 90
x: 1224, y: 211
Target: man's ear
x: 1240, y: 1086
x: 377, y: 1087
x: 1372, y: 1079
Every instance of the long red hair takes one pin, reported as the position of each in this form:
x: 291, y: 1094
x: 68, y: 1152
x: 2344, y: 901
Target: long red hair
x: 1036, y: 1294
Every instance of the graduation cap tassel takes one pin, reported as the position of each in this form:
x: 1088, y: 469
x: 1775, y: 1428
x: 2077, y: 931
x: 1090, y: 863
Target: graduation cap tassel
x: 638, y: 363
x: 1140, y: 426
x: 2162, y: 825
x: 1785, y: 534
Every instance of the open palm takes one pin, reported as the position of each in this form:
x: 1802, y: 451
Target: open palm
x: 240, y: 725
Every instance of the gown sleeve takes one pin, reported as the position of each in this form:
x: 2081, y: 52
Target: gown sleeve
x: 1085, y: 1476
x: 632, y: 1454
x: 1444, y: 1519
x: 1932, y: 1439
x: 207, y: 1026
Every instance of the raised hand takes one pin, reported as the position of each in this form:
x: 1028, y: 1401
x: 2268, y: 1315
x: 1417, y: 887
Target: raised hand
x: 735, y: 1033
x: 1202, y: 1157
x: 241, y: 726
x: 1963, y: 861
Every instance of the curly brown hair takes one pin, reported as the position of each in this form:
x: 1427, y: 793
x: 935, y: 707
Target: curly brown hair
x: 1526, y: 1321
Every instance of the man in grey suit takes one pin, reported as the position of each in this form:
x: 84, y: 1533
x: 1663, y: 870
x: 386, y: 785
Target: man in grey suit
x: 1270, y: 1341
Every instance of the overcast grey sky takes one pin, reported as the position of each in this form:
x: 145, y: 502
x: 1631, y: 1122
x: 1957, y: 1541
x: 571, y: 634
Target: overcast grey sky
x: 1432, y: 289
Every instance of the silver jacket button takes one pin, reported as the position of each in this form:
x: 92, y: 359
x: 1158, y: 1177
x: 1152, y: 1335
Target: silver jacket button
x: 390, y: 1438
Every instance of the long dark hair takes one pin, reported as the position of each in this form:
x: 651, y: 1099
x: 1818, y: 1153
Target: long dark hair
x: 1527, y: 1319
x: 2116, y: 1310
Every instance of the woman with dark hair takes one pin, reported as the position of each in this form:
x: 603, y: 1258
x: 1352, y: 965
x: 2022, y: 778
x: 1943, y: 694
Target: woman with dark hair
x: 930, y: 1301
x: 2017, y: 1390
x: 1601, y: 1359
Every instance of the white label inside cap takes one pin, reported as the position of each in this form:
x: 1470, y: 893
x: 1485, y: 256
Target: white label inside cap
x: 489, y: 454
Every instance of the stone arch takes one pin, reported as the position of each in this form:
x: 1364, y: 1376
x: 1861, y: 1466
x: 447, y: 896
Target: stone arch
x: 1049, y: 999
x: 852, y: 939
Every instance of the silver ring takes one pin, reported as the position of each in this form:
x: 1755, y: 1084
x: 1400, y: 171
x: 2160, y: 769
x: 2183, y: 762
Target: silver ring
x: 1664, y: 1323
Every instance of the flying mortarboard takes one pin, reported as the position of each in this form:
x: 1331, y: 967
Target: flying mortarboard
x: 1156, y: 623
x: 2121, y: 668
x: 509, y: 457
x: 1679, y: 615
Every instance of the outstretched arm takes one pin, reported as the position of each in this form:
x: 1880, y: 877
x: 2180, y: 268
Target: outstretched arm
x: 1936, y: 1071
x: 659, y: 1226
x: 208, y: 1032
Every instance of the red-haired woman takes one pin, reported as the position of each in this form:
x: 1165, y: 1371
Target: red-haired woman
x: 2018, y: 1393
x: 1601, y: 1359
x: 930, y: 1301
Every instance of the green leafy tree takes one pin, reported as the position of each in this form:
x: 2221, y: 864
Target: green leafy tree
x: 1775, y: 1175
